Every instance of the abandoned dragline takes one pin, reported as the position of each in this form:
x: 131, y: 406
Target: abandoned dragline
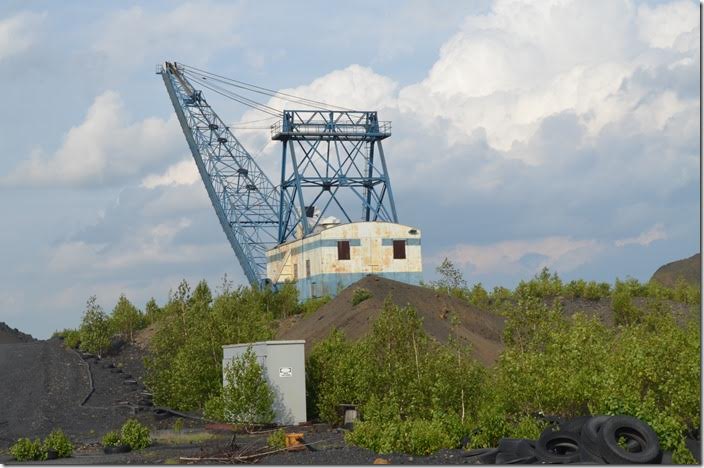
x: 308, y: 229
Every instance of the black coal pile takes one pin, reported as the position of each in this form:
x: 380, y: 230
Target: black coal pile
x: 12, y: 335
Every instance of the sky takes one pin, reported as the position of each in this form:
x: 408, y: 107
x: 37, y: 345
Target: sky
x: 560, y: 134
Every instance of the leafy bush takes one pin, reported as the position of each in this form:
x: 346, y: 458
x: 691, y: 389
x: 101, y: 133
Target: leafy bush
x: 277, y: 439
x: 70, y: 337
x: 543, y: 285
x: 111, y: 439
x: 312, y: 304
x: 415, y: 437
x: 126, y: 318
x: 184, y: 368
x: 478, y: 296
x: 135, y: 434
x: 25, y: 449
x: 396, y: 373
x: 58, y: 441
x: 95, y: 330
x: 625, y: 313
x: 360, y: 295
x: 246, y: 397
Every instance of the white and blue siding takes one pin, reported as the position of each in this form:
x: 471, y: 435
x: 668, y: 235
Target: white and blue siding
x: 371, y: 252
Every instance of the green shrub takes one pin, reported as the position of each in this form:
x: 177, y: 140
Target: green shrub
x: 58, y: 441
x: 360, y: 295
x: 415, y: 437
x: 277, y: 439
x: 311, y: 305
x: 246, y: 396
x: 72, y: 338
x: 625, y: 313
x: 111, y: 439
x: 478, y: 296
x: 126, y: 318
x: 135, y: 434
x: 24, y: 450
x: 396, y: 372
x: 95, y: 330
x: 184, y: 368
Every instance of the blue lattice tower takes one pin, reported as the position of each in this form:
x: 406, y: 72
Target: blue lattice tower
x: 333, y: 161
x: 245, y: 200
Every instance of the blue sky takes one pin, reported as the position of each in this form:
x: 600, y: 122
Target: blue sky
x: 525, y: 134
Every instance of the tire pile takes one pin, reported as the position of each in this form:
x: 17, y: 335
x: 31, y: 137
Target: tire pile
x: 599, y: 440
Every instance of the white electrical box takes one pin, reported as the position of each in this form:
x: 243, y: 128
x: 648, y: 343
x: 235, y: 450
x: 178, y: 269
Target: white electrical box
x: 284, y: 368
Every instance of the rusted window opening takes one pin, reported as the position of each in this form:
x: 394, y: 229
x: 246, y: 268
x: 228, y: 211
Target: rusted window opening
x: 399, y: 249
x: 343, y: 250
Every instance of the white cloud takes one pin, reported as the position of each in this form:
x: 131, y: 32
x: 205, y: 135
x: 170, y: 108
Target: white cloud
x: 181, y: 173
x: 194, y: 29
x: 524, y: 256
x: 670, y: 25
x: 18, y: 33
x: 657, y: 232
x: 105, y: 148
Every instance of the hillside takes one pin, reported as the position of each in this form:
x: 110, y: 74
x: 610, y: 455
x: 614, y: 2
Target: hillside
x: 480, y: 328
x: 12, y: 335
x: 688, y: 269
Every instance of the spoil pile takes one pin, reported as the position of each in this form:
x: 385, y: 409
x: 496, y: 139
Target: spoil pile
x: 479, y: 327
x: 12, y: 335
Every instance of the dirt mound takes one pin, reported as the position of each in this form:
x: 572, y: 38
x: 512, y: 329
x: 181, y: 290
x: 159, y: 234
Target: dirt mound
x: 481, y: 328
x: 689, y: 269
x: 12, y: 335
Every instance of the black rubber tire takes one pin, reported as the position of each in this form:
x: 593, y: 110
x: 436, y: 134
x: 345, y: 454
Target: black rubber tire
x: 558, y: 447
x: 514, y: 448
x: 575, y: 424
x: 589, y: 436
x: 117, y: 449
x: 160, y: 414
x: 633, y: 429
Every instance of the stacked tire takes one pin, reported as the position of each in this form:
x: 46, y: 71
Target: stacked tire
x: 600, y: 439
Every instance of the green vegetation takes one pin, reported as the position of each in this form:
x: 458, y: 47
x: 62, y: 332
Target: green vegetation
x: 95, y: 330
x: 126, y: 318
x: 416, y: 395
x: 246, y: 397
x: 277, y: 439
x: 312, y: 304
x: 185, y: 365
x: 135, y: 434
x: 111, y: 439
x: 25, y: 449
x: 59, y: 442
x: 360, y: 295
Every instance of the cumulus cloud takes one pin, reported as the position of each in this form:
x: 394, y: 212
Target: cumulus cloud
x: 181, y: 173
x: 106, y: 148
x: 130, y: 36
x: 18, y: 33
x: 657, y: 232
x: 670, y: 25
x: 561, y: 253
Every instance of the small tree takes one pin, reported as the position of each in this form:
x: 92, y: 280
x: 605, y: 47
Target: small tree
x: 152, y: 311
x: 450, y: 276
x: 246, y: 397
x: 95, y: 328
x: 126, y: 317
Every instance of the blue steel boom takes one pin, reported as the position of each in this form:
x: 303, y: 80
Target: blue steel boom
x: 245, y: 200
x: 330, y: 158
